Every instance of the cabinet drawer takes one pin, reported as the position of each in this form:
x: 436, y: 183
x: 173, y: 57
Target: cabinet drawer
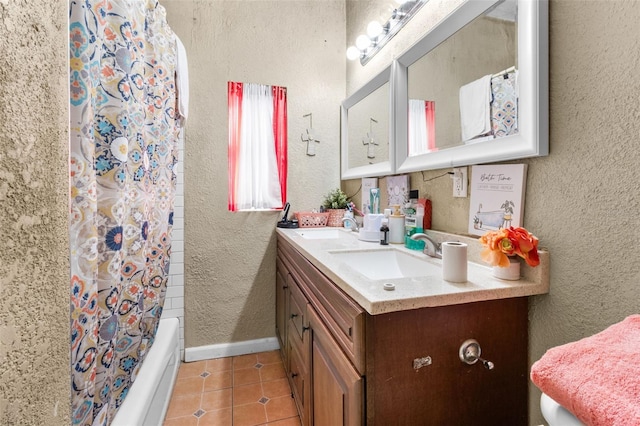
x: 297, y: 310
x: 343, y: 317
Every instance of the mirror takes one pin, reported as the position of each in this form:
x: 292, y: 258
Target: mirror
x: 367, y: 132
x: 474, y: 89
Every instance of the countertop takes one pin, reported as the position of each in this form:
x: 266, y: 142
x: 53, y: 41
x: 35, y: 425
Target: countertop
x: 429, y: 290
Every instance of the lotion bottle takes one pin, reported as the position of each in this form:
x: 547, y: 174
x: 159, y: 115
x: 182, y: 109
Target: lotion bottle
x: 396, y: 226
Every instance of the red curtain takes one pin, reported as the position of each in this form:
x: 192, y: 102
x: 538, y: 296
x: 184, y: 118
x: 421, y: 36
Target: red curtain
x: 280, y: 135
x: 430, y: 111
x: 234, y: 100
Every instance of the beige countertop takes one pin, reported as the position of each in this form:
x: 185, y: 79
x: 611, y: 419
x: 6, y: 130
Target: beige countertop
x: 415, y: 292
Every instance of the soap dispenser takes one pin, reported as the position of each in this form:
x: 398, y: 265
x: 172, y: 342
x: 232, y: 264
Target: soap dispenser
x: 396, y: 226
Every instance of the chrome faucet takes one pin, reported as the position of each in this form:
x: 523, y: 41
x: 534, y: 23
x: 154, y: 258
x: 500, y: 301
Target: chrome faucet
x: 354, y: 227
x: 431, y: 248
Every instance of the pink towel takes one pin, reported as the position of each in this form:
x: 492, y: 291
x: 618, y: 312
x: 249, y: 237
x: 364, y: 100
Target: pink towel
x: 596, y: 378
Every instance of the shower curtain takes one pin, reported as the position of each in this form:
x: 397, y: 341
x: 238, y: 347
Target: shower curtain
x: 123, y: 133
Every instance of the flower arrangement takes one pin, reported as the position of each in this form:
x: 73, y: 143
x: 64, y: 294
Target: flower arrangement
x: 498, y: 245
x: 336, y: 199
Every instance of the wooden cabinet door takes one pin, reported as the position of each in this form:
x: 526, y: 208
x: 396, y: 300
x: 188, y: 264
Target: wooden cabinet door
x: 337, y: 388
x: 282, y: 308
x: 299, y: 377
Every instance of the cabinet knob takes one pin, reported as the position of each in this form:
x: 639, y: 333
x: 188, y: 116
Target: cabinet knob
x: 285, y: 287
x: 294, y: 375
x: 305, y: 328
x: 293, y: 315
x: 470, y: 352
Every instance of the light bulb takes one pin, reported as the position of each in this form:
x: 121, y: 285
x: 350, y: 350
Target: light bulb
x: 362, y: 42
x: 353, y: 53
x: 374, y: 29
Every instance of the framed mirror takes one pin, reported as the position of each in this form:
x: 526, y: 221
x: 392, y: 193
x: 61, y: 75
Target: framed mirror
x: 367, y: 130
x: 475, y: 89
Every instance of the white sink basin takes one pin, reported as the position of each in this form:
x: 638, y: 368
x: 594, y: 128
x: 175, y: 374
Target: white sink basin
x: 386, y: 264
x: 321, y: 233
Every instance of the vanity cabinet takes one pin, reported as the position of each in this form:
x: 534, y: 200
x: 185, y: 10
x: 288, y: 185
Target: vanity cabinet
x: 347, y: 367
x: 324, y: 344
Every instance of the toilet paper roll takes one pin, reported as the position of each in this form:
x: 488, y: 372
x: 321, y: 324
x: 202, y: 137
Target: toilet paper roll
x: 454, y: 261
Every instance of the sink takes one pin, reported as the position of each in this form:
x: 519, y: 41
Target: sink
x: 321, y: 233
x: 386, y: 264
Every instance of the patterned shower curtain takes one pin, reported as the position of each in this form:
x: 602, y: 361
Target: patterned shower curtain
x: 123, y: 133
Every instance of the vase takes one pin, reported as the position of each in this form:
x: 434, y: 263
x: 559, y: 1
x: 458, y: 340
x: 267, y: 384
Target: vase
x: 511, y: 272
x: 335, y: 217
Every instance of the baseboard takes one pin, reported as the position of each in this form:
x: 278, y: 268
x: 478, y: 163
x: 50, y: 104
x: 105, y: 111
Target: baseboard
x: 230, y: 349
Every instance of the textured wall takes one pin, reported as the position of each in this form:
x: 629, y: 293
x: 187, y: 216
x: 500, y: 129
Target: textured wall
x: 34, y: 252
x: 582, y: 200
x: 230, y: 257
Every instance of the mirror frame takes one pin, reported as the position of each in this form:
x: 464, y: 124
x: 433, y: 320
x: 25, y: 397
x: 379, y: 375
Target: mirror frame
x: 370, y: 170
x: 532, y: 139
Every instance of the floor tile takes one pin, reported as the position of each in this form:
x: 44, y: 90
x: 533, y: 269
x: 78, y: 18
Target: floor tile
x: 222, y: 417
x: 191, y: 369
x: 272, y: 372
x: 249, y: 414
x: 280, y: 408
x: 291, y: 421
x: 245, y: 390
x: 245, y: 361
x: 276, y: 388
x: 182, y: 421
x: 247, y: 394
x: 246, y: 376
x: 189, y: 385
x: 216, y: 400
x: 271, y: 357
x: 219, y: 364
x: 218, y: 380
x: 183, y: 405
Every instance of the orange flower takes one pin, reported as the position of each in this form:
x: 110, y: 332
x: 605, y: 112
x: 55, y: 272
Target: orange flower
x: 507, y: 242
x: 526, y: 245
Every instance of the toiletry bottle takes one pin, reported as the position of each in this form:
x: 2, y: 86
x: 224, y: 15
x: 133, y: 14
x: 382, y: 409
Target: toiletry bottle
x: 396, y: 226
x: 426, y: 219
x: 410, y: 222
x: 384, y: 232
x: 417, y: 229
x: 347, y: 223
x: 419, y: 218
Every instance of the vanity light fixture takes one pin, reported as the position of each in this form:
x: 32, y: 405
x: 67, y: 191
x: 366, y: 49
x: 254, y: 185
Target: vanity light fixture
x: 366, y: 46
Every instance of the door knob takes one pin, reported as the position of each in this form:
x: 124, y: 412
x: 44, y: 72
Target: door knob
x: 470, y: 352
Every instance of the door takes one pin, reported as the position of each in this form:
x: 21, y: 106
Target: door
x: 337, y: 388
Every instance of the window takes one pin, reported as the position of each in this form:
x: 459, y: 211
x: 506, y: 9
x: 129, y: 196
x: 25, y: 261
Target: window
x: 257, y: 146
x: 422, y: 126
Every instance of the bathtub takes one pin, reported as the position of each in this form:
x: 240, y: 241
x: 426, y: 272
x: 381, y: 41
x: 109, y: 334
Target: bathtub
x: 148, y: 398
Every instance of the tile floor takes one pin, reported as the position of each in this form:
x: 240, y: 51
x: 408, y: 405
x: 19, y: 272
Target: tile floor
x: 240, y: 391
